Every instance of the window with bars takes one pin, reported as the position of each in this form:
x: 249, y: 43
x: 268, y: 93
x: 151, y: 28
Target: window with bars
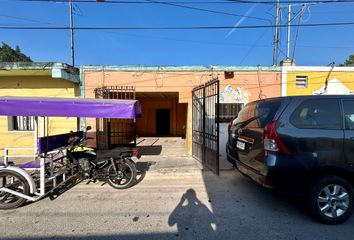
x: 301, y: 81
x: 21, y: 123
x: 228, y: 111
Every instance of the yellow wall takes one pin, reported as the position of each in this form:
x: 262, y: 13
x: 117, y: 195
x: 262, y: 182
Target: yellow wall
x: 36, y: 86
x: 316, y: 80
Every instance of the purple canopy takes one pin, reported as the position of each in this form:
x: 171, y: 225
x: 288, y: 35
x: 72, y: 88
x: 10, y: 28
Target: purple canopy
x: 69, y: 107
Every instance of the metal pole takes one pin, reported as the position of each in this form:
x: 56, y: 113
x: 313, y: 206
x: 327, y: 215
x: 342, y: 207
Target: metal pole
x: 217, y: 127
x: 6, y: 157
x: 42, y: 160
x: 35, y: 137
x: 72, y: 33
x: 288, y: 45
x: 276, y: 35
x: 73, y: 49
x: 203, y: 148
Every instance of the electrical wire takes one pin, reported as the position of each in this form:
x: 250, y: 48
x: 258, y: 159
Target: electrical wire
x: 176, y: 28
x: 297, y: 31
x: 126, y: 2
x: 292, y: 2
x: 328, y: 75
x: 253, y: 46
x: 219, y: 43
x: 188, y: 40
x: 205, y: 10
x: 31, y: 20
x: 77, y: 10
x: 193, y: 2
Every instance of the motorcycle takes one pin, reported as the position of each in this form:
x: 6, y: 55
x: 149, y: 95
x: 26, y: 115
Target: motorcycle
x: 119, y: 172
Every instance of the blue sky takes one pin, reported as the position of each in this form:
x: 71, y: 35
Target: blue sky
x: 314, y: 46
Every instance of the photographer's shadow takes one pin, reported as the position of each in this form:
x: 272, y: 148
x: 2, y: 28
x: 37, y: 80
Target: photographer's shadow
x: 193, y: 219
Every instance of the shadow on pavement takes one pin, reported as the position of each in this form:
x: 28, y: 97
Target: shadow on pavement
x: 243, y: 209
x: 192, y: 217
x: 65, y: 187
x: 142, y: 168
x: 150, y: 150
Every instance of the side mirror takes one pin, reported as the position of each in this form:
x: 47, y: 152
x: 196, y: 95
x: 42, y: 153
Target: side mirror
x: 88, y: 128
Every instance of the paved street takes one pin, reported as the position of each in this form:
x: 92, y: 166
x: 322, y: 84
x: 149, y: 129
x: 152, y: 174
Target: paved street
x: 169, y: 204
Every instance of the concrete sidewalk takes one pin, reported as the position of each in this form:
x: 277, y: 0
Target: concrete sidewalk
x: 161, y: 153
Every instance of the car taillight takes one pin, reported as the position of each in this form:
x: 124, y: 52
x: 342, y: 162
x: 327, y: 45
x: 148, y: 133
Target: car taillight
x: 272, y: 141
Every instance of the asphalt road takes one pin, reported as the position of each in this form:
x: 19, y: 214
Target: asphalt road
x: 169, y: 204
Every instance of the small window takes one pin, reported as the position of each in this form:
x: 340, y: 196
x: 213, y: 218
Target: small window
x: 228, y: 111
x: 21, y: 123
x: 317, y: 114
x: 229, y: 75
x: 348, y: 107
x: 301, y: 81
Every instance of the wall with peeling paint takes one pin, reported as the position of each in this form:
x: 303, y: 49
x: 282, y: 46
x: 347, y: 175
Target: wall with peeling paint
x: 340, y: 80
x: 246, y: 83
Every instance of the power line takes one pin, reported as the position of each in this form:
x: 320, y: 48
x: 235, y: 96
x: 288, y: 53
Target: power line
x: 172, y: 4
x: 188, y: 40
x: 30, y: 20
x: 130, y: 2
x: 297, y: 32
x: 175, y: 28
x: 194, y: 2
x: 177, y: 4
x: 253, y: 46
x: 219, y: 43
x: 205, y: 10
x: 295, y: 1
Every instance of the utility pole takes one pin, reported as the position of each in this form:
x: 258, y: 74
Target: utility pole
x: 288, y: 43
x: 276, y: 34
x: 72, y: 34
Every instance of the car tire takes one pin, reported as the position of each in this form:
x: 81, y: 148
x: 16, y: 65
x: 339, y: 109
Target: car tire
x: 331, y: 199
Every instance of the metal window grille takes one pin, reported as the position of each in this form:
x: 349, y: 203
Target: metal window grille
x: 301, y: 81
x: 229, y: 111
x: 115, y: 132
x: 23, y: 123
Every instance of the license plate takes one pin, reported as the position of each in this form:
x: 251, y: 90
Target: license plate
x: 240, y: 145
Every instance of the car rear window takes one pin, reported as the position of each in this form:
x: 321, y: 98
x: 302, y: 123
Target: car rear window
x: 258, y: 114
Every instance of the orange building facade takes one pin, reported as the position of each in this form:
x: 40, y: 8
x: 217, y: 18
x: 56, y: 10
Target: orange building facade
x: 166, y: 92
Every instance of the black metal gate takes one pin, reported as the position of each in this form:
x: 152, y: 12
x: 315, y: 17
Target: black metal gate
x: 115, y: 132
x: 205, y: 126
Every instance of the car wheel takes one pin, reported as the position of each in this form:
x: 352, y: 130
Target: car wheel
x: 331, y: 200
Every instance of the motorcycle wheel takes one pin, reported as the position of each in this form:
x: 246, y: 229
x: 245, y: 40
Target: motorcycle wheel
x: 126, y: 176
x: 15, y: 182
